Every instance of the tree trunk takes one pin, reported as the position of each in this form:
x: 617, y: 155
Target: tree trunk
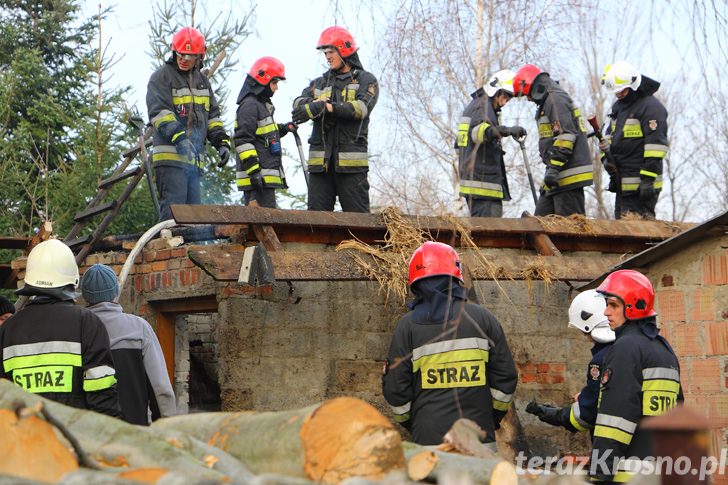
x: 118, y: 445
x: 341, y: 438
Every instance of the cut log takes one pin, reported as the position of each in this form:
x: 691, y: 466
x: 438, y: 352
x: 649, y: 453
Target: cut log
x: 341, y: 438
x: 116, y: 444
x: 30, y: 449
x: 510, y: 437
x: 431, y: 465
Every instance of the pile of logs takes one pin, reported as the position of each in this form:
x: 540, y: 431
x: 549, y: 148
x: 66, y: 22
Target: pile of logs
x: 343, y: 440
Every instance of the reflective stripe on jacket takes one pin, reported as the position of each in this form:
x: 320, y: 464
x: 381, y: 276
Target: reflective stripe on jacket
x: 182, y: 105
x: 60, y: 351
x: 436, y: 377
x: 562, y: 140
x: 638, y: 132
x: 341, y: 135
x: 640, y: 378
x: 255, y: 133
x: 482, y: 172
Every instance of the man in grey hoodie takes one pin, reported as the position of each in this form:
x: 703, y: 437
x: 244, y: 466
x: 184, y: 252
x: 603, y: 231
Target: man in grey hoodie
x: 141, y: 372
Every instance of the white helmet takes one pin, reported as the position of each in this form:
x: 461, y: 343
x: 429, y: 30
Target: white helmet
x: 621, y: 75
x: 51, y: 264
x: 500, y: 80
x: 587, y: 314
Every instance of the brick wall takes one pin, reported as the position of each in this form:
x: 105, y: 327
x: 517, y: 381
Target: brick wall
x: 692, y: 303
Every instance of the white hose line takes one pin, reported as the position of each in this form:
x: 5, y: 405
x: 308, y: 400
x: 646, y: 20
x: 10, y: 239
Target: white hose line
x: 146, y: 237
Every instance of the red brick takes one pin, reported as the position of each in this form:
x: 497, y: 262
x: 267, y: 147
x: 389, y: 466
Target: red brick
x: 174, y: 264
x: 542, y: 368
x: 163, y: 254
x: 144, y: 268
x: 703, y: 305
x: 159, y: 266
x: 688, y: 340
x: 705, y: 375
x: 195, y: 276
x: 186, y: 263
x: 528, y: 378
x: 138, y: 283
x: 717, y: 338
x: 671, y: 304
x: 715, y: 269
x: 183, y: 277
x: 558, y: 368
x: 718, y: 409
x: 178, y: 252
x: 667, y: 280
x: 149, y: 256
x: 557, y: 379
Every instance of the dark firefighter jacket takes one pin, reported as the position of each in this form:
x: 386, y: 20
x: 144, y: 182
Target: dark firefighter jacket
x: 257, y: 138
x: 562, y: 139
x: 482, y: 172
x: 638, y: 131
x: 343, y: 133
x: 60, y: 351
x: 143, y: 381
x: 640, y: 378
x: 438, y: 373
x: 580, y: 416
x: 181, y: 105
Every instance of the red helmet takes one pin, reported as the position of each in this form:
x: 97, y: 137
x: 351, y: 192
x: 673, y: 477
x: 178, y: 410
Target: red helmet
x: 524, y: 78
x: 266, y: 69
x: 434, y: 259
x: 189, y: 40
x: 635, y: 291
x: 338, y: 38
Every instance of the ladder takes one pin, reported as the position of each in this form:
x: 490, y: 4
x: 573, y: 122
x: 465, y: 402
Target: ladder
x: 82, y: 245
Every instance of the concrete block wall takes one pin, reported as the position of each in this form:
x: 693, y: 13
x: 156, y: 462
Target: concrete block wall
x: 692, y: 302
x: 275, y: 354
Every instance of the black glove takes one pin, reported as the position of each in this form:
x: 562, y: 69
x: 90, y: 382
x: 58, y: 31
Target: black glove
x: 514, y: 131
x: 285, y: 128
x: 186, y: 147
x: 551, y: 178
x: 609, y: 167
x: 257, y: 180
x: 613, y: 180
x: 547, y: 414
x: 300, y: 114
x: 224, y: 153
x: 647, y: 188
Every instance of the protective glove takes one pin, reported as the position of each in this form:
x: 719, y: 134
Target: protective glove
x: 647, y: 188
x: 604, y: 144
x: 551, y: 178
x: 224, y: 153
x: 300, y: 114
x: 257, y: 180
x: 612, y: 184
x: 547, y: 414
x: 610, y: 168
x: 186, y: 147
x: 514, y: 131
x: 285, y: 128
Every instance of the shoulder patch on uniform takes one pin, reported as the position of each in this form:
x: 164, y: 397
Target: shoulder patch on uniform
x: 557, y: 127
x: 606, y: 375
x: 652, y: 124
x: 372, y: 89
x: 594, y: 372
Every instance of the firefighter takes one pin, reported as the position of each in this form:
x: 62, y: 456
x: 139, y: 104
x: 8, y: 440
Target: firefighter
x: 7, y: 309
x: 183, y: 109
x: 483, y: 180
x: 638, y: 134
x: 54, y: 348
x: 586, y: 313
x: 562, y: 143
x: 340, y: 103
x: 448, y: 359
x: 640, y: 377
x: 143, y: 381
x: 257, y: 136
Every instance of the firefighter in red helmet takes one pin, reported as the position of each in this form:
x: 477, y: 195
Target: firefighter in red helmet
x: 448, y: 359
x: 185, y: 114
x: 339, y: 102
x: 640, y: 378
x: 257, y: 136
x: 562, y: 143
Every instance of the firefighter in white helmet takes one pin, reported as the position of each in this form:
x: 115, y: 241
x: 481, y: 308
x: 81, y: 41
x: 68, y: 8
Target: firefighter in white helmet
x: 483, y: 180
x: 637, y: 139
x: 586, y: 313
x: 54, y: 348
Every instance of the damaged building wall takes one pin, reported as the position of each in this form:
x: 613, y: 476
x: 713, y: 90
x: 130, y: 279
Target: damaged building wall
x: 692, y: 304
x: 301, y: 344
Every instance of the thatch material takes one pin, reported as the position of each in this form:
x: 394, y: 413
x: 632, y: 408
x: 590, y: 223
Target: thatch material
x: 577, y: 222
